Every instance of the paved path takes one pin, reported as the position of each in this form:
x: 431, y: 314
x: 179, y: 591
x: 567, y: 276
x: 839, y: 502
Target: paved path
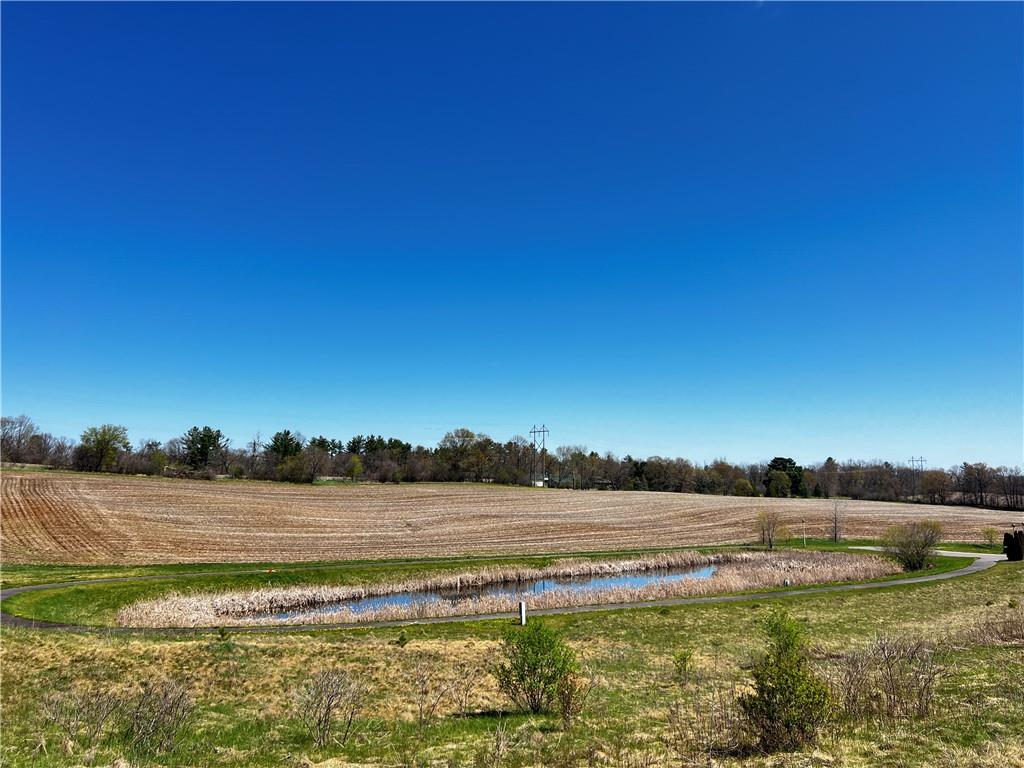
x: 981, y: 562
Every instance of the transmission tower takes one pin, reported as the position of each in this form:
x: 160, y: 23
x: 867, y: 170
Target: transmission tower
x: 542, y: 431
x: 916, y: 466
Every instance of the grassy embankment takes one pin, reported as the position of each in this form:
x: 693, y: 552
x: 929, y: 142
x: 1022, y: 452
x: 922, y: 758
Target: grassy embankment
x: 96, y: 604
x: 242, y: 685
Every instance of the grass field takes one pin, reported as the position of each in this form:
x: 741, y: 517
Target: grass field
x: 242, y: 686
x: 106, y: 519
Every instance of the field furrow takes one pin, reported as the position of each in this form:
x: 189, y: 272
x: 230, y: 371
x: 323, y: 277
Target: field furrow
x: 79, y: 518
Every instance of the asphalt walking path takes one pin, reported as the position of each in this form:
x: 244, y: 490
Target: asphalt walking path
x: 982, y: 562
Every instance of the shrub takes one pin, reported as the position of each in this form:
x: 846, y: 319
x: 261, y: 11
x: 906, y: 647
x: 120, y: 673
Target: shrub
x: 790, y: 703
x: 571, y: 695
x: 153, y: 718
x: 431, y: 686
x: 894, y: 678
x: 991, y: 537
x: 535, y: 661
x: 682, y: 665
x: 468, y: 674
x: 81, y: 715
x: 706, y: 725
x: 323, y: 700
x: 913, y: 544
x: 1000, y: 626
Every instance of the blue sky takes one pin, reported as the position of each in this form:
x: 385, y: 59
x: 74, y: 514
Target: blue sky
x: 737, y: 230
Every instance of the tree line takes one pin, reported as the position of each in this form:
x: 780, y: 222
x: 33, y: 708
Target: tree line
x: 464, y: 455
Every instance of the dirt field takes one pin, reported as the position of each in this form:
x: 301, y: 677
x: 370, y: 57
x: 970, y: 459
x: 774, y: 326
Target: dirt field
x: 80, y: 518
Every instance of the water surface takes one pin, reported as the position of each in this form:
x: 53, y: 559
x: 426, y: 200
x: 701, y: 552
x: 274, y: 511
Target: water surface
x: 519, y: 590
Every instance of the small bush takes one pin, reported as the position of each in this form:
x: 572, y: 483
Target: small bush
x: 152, y: 720
x: 1000, y: 626
x: 81, y: 715
x: 468, y: 674
x: 893, y: 678
x: 790, y: 703
x: 682, y: 665
x: 535, y: 661
x: 704, y: 726
x: 329, y: 697
x: 431, y: 687
x: 571, y: 695
x: 913, y: 544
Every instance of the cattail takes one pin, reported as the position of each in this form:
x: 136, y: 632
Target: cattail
x: 734, y: 571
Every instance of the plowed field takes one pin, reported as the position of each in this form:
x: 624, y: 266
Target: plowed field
x: 80, y: 518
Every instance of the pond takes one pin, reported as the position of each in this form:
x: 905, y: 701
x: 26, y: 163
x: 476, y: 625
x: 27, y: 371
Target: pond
x: 520, y: 590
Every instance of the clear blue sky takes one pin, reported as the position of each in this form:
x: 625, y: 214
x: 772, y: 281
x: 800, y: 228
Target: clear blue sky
x: 700, y: 230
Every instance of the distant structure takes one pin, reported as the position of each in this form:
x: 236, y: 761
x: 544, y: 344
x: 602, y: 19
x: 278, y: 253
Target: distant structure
x: 541, y: 480
x: 917, y: 466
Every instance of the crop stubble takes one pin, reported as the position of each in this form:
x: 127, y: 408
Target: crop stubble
x: 81, y: 519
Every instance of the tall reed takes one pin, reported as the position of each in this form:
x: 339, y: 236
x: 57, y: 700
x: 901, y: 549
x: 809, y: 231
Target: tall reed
x: 734, y: 571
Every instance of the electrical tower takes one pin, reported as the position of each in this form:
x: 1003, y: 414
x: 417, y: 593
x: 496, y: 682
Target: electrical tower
x: 916, y: 466
x: 543, y: 433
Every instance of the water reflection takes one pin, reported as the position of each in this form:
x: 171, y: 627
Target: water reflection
x: 516, y: 590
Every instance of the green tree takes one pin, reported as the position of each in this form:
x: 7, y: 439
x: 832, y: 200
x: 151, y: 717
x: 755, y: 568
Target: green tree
x: 742, y: 487
x: 355, y: 467
x: 100, y: 447
x: 779, y: 484
x: 200, y: 445
x: 284, y: 444
x: 535, y: 661
x: 795, y: 473
x: 330, y: 447
x: 296, y: 469
x: 790, y: 703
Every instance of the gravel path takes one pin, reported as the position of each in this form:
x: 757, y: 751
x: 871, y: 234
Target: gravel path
x: 981, y: 562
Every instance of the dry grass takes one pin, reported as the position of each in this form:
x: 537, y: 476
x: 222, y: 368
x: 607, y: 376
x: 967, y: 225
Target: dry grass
x: 999, y: 625
x: 81, y: 518
x: 735, y: 571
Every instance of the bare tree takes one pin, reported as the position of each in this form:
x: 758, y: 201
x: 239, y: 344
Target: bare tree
x: 769, y: 523
x: 838, y: 519
x: 15, y: 433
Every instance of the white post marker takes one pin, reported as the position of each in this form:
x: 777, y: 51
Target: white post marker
x: 522, y: 613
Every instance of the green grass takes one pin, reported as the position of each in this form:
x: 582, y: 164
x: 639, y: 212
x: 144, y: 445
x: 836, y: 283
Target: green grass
x: 25, y: 575
x: 242, y: 684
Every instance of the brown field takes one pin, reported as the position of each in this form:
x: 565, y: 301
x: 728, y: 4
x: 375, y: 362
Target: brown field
x: 79, y: 519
